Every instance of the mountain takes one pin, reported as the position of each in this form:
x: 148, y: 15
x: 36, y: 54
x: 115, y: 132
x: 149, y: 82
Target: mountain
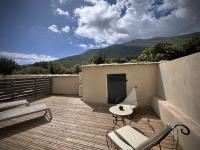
x: 132, y: 48
x: 118, y: 50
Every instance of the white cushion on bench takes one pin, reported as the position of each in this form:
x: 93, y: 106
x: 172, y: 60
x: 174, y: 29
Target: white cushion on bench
x: 115, y: 139
x: 18, y: 112
x: 132, y: 136
x: 8, y: 105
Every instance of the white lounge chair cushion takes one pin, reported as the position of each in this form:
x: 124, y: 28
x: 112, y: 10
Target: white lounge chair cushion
x: 115, y: 139
x: 137, y: 140
x: 132, y: 136
x: 8, y: 105
x: 18, y: 112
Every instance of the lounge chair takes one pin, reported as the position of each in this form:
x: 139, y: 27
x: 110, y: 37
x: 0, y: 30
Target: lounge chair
x: 128, y: 138
x: 131, y: 99
x: 8, y: 105
x: 19, y: 112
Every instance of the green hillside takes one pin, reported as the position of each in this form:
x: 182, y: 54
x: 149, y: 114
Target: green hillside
x: 132, y: 48
x: 118, y: 50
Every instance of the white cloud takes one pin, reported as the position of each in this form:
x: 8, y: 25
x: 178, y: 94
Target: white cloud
x: 22, y: 58
x: 66, y: 29
x: 54, y: 28
x: 92, y: 46
x: 101, y: 25
x: 131, y: 19
x: 62, y: 12
x: 83, y: 46
x: 92, y: 1
x: 61, y: 2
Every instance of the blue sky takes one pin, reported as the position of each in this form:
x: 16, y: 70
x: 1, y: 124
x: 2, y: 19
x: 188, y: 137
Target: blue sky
x: 37, y: 30
x: 24, y: 28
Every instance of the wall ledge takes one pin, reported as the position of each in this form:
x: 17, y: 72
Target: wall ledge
x: 178, y: 114
x: 172, y: 115
x: 36, y: 76
x: 119, y: 64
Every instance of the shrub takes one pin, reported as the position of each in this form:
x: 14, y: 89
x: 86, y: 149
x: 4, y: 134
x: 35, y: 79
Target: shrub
x: 76, y: 69
x: 159, y: 51
x: 191, y: 46
x: 7, y: 66
x: 99, y: 58
x: 31, y: 70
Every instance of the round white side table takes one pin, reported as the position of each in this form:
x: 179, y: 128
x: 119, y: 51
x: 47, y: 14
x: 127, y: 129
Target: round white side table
x: 117, y: 113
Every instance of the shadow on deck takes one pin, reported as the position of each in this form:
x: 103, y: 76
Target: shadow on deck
x: 75, y: 125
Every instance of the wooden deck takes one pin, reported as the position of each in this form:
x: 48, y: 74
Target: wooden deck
x: 75, y: 125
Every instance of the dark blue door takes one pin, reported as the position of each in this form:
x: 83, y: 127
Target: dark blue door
x: 116, y: 84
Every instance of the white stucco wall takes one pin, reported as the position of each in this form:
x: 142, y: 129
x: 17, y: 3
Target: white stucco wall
x: 170, y: 114
x: 144, y: 76
x: 179, y: 92
x: 65, y: 84
x: 179, y: 83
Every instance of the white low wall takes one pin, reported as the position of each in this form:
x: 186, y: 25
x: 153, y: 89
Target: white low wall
x: 179, y: 89
x: 179, y: 83
x: 65, y: 84
x: 172, y: 115
x: 24, y: 76
x: 144, y: 76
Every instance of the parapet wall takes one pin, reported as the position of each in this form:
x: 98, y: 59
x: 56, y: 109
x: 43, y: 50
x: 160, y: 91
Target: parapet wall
x: 179, y: 83
x: 179, y: 92
x: 170, y: 114
x: 65, y: 84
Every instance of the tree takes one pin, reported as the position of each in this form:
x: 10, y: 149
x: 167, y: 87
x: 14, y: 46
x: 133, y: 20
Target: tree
x: 160, y: 51
x: 191, y: 46
x: 116, y: 60
x: 56, y: 68
x: 134, y: 61
x: 31, y: 70
x: 99, y: 58
x: 169, y: 51
x: 42, y: 64
x: 7, y: 66
x: 76, y: 69
x: 120, y: 60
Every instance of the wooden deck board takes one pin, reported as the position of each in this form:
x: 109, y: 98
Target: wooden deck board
x: 75, y: 125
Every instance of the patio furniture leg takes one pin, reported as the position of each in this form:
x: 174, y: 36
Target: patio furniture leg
x: 28, y: 104
x: 159, y: 146
x: 115, y: 120
x: 50, y: 115
x: 129, y: 119
x: 107, y: 141
x: 124, y: 122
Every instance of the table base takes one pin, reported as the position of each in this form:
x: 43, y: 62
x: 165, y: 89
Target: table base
x: 117, y: 118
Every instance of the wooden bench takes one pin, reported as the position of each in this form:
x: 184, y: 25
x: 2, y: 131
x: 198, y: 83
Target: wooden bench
x: 19, y: 112
x: 8, y: 105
